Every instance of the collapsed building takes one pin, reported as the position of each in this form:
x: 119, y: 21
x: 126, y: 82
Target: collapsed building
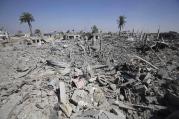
x: 4, y: 35
x: 69, y: 36
x: 34, y: 40
x: 171, y: 35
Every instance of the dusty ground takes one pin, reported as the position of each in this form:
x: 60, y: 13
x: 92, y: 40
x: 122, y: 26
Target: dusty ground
x: 26, y: 90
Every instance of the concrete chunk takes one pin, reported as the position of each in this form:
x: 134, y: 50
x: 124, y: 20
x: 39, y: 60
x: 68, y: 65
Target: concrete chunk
x: 81, y: 95
x: 62, y: 92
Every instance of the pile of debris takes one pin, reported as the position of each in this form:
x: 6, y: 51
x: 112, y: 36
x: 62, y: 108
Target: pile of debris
x: 73, y: 79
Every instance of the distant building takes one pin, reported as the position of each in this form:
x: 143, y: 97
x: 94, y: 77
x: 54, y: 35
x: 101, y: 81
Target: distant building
x: 34, y: 41
x: 54, y: 36
x: 48, y: 34
x: 107, y: 35
x: 58, y: 35
x: 72, y: 36
x: 171, y: 35
x: 3, y: 35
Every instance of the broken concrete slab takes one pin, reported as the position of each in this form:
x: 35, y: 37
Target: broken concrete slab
x: 62, y: 94
x: 79, y: 82
x: 81, y: 95
x: 66, y: 108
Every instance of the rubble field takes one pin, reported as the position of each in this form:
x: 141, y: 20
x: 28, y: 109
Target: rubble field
x: 114, y: 78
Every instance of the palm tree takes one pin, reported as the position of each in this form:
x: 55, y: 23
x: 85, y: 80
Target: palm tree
x: 27, y: 18
x: 121, y: 22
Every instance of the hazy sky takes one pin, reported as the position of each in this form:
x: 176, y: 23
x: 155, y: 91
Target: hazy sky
x: 61, y: 15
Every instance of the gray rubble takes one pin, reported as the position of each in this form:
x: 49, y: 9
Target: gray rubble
x: 71, y: 79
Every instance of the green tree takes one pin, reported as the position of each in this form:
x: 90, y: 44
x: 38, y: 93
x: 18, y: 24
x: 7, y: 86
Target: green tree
x: 121, y: 22
x: 94, y: 29
x: 27, y: 18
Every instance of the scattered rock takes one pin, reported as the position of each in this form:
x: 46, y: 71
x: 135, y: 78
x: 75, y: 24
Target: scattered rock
x: 81, y: 95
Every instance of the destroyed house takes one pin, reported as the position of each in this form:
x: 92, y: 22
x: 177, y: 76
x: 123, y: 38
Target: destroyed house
x: 3, y: 35
x: 48, y: 34
x: 33, y: 41
x: 72, y: 36
x: 125, y: 33
x: 59, y: 35
x: 169, y: 35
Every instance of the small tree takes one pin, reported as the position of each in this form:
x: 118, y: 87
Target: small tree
x: 121, y: 22
x: 27, y: 18
x: 68, y: 31
x: 73, y: 30
x: 37, y: 32
x: 94, y: 29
